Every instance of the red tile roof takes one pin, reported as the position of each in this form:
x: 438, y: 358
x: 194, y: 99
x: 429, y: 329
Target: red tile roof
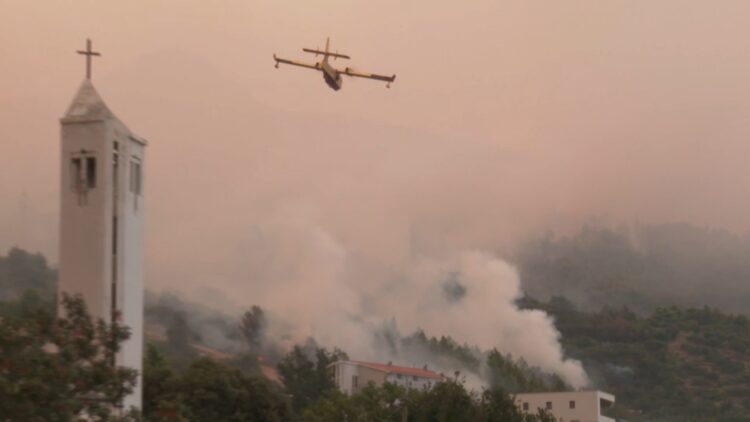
x: 403, y: 370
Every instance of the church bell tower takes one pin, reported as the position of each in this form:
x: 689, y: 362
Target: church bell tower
x: 101, y: 218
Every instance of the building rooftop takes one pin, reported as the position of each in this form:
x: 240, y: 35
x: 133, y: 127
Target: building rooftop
x: 393, y: 369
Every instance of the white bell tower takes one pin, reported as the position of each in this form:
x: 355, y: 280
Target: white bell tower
x: 101, y: 218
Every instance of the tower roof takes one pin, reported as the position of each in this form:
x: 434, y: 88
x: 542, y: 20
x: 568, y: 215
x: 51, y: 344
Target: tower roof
x: 87, y: 105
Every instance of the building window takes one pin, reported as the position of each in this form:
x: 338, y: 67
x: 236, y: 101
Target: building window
x: 572, y: 404
x: 76, y: 175
x: 136, y: 178
x: 526, y: 406
x: 83, y: 173
x: 355, y: 381
x: 415, y: 377
x: 549, y: 405
x: 91, y: 172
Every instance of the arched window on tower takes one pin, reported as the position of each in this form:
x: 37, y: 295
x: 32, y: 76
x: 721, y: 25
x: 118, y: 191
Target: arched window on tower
x: 82, y: 174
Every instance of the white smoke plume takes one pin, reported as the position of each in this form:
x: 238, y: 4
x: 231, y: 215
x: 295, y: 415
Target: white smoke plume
x: 316, y: 288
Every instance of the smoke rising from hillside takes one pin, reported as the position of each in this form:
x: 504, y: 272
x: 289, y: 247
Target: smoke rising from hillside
x: 316, y: 289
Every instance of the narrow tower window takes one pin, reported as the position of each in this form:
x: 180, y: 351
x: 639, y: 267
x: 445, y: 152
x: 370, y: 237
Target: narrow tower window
x: 91, y: 172
x: 135, y: 177
x: 75, y: 173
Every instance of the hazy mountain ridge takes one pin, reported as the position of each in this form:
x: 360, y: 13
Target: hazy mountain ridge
x: 641, y: 267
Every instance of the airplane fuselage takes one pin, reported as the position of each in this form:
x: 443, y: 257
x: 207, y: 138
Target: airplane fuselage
x: 331, y: 76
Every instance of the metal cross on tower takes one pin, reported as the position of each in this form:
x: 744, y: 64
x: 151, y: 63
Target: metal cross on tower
x: 88, y: 53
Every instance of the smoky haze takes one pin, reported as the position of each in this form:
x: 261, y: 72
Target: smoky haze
x: 506, y: 119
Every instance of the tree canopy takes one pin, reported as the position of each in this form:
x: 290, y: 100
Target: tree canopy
x: 60, y: 368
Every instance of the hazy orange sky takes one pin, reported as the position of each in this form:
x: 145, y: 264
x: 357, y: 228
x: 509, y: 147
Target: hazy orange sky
x: 506, y: 117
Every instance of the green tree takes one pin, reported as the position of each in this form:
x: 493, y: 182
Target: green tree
x: 331, y: 406
x: 58, y: 369
x: 445, y: 402
x: 307, y: 378
x: 178, y: 333
x: 384, y: 403
x: 496, y: 405
x: 27, y: 304
x: 252, y: 327
x: 21, y: 271
x: 161, y: 399
x: 179, y: 340
x: 517, y: 377
x: 212, y: 391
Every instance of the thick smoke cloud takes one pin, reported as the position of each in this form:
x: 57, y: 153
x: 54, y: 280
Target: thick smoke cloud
x: 316, y: 290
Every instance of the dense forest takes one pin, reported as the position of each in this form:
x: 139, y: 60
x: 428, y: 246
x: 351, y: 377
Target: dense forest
x: 676, y: 364
x: 668, y: 351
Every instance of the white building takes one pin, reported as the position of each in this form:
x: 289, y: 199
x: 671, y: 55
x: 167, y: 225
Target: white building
x: 568, y: 406
x: 351, y: 375
x: 101, y: 219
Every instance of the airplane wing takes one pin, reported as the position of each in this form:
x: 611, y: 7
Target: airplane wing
x: 296, y: 63
x: 351, y: 72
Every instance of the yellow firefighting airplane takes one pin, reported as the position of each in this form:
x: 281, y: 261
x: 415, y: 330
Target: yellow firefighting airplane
x: 331, y: 75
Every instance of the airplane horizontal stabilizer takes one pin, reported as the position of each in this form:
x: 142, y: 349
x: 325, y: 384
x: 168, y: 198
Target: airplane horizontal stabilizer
x: 324, y: 53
